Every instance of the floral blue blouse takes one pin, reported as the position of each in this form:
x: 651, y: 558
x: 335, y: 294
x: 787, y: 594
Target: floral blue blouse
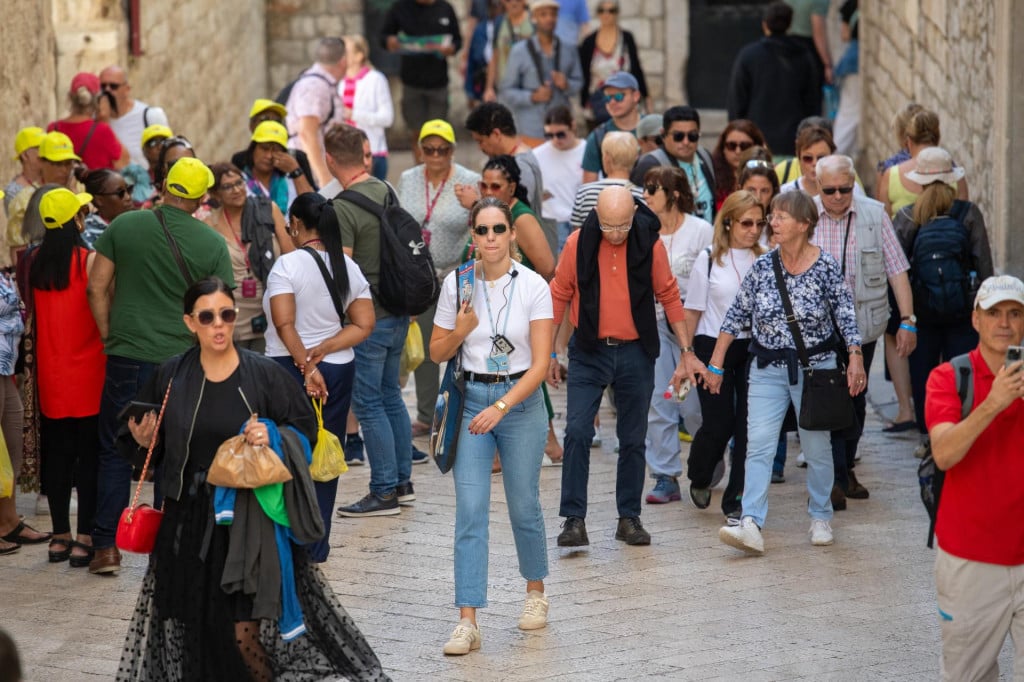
x: 11, y: 324
x: 758, y: 305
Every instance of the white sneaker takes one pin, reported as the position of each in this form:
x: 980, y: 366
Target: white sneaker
x: 821, y: 533
x: 465, y: 638
x: 801, y: 461
x: 595, y: 442
x: 535, y: 611
x: 745, y: 536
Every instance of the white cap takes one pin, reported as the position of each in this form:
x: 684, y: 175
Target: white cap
x: 998, y: 289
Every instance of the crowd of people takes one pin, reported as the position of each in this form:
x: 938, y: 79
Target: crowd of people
x: 697, y: 288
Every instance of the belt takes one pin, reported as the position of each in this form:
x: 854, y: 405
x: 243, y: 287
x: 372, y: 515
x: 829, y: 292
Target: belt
x: 612, y: 341
x: 493, y: 378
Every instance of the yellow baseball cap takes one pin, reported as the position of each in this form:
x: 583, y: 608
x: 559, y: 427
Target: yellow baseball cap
x: 57, y: 147
x: 59, y: 206
x: 189, y: 178
x: 271, y: 131
x: 156, y: 130
x: 27, y: 138
x: 442, y: 129
x: 261, y: 105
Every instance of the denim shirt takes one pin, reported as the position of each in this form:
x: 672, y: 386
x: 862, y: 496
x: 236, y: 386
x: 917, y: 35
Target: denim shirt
x: 11, y: 324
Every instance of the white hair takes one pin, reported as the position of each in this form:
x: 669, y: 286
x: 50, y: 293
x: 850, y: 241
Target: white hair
x: 835, y: 163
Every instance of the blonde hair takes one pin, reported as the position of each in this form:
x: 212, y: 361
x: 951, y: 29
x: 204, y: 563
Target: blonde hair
x: 620, y: 150
x: 359, y: 43
x: 934, y: 200
x: 900, y: 120
x: 82, y: 101
x: 733, y: 208
x: 923, y: 127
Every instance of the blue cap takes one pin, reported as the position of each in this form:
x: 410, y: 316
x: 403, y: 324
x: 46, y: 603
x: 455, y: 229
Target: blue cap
x: 623, y: 80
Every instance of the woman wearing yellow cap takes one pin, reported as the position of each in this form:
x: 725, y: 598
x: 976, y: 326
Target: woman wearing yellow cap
x: 26, y: 152
x: 270, y: 171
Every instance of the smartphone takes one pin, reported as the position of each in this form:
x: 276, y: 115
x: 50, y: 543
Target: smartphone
x: 137, y: 410
x: 1014, y: 354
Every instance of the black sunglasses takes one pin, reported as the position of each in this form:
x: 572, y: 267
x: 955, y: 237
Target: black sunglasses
x: 443, y: 150
x: 733, y: 146
x: 692, y: 136
x: 652, y: 188
x: 120, y: 193
x: 111, y: 86
x: 832, y: 190
x: 560, y: 135
x: 607, y: 10
x: 498, y: 228
x: 206, y: 317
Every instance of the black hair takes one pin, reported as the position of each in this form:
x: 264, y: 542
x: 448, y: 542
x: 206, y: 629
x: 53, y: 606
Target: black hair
x: 510, y: 169
x: 560, y: 115
x: 205, y: 287
x: 94, y: 180
x: 777, y: 17
x: 51, y: 267
x: 490, y: 116
x: 318, y: 215
x: 165, y: 146
x: 680, y: 112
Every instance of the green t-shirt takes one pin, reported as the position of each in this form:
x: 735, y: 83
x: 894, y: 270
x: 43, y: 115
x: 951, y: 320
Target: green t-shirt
x: 145, y: 315
x: 592, y: 151
x: 360, y: 231
x: 803, y: 10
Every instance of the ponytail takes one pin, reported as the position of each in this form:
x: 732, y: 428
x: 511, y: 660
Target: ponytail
x: 318, y: 215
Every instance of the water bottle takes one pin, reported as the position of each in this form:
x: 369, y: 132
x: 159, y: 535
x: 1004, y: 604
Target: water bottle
x: 831, y: 96
x: 684, y: 388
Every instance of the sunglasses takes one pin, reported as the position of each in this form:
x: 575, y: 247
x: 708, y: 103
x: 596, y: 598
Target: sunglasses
x: 607, y: 10
x: 748, y: 223
x: 757, y: 163
x: 733, y: 145
x: 240, y: 184
x: 808, y: 158
x: 111, y: 86
x: 692, y: 136
x: 829, y: 191
x: 155, y: 142
x: 497, y: 228
x: 560, y: 135
x: 206, y: 317
x: 493, y: 186
x: 652, y: 188
x: 120, y: 193
x: 617, y: 97
x: 443, y: 150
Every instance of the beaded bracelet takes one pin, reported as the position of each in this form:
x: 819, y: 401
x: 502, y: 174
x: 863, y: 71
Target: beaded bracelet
x: 715, y: 370
x: 909, y: 328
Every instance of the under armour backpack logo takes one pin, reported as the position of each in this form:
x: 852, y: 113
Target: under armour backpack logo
x: 416, y: 247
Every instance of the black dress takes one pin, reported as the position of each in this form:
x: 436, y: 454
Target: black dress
x: 184, y: 625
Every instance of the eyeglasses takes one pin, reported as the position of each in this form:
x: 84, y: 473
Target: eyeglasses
x: 206, y: 317
x: 691, y: 135
x: 625, y: 227
x: 498, y: 228
x: 757, y: 163
x: 777, y: 217
x: 493, y: 186
x: 607, y: 10
x: 155, y: 142
x: 617, y: 97
x: 120, y: 193
x: 111, y: 86
x: 809, y: 158
x: 652, y: 188
x: 733, y: 145
x: 443, y: 150
x: 748, y: 223
x: 231, y: 187
x: 560, y: 135
x: 829, y: 191
x: 176, y: 141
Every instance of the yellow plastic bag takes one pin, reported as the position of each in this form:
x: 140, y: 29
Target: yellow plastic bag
x: 412, y: 351
x: 328, y: 457
x: 6, y: 470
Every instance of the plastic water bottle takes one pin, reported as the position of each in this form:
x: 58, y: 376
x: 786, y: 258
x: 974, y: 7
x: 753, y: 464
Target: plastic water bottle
x: 831, y: 96
x: 684, y: 388
x: 974, y: 283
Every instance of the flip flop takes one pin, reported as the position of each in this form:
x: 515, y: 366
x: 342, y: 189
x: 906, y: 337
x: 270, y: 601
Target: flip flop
x: 14, y: 547
x: 900, y: 427
x: 58, y: 556
x: 15, y: 535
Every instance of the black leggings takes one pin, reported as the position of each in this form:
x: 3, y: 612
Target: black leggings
x: 70, y: 447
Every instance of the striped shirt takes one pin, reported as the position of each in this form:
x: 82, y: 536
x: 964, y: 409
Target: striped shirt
x: 586, y: 197
x: 831, y: 233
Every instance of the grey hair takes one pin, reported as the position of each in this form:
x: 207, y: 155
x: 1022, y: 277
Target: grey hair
x: 835, y: 163
x: 330, y: 50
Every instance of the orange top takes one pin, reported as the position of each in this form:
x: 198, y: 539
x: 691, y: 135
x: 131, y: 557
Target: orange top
x: 614, y: 318
x: 70, y: 364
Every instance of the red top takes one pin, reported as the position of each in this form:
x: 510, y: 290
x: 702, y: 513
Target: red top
x: 984, y: 492
x: 104, y: 147
x: 70, y: 364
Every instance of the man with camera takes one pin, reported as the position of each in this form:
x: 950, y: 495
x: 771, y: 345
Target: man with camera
x: 979, y: 567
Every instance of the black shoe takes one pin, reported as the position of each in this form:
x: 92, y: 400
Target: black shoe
x: 732, y: 518
x: 418, y: 456
x: 405, y: 493
x: 632, y: 532
x: 574, y: 533
x: 354, y: 450
x: 838, y: 499
x: 372, y: 505
x: 856, y: 491
x: 701, y: 497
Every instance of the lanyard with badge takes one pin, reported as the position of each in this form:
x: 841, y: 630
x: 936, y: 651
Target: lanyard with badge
x: 498, y: 360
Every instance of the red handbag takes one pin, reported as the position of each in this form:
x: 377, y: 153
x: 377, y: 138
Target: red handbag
x: 139, y: 524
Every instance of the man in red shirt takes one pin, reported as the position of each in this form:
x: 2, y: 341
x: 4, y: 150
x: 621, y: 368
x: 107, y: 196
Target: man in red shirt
x: 979, y: 566
x: 611, y: 271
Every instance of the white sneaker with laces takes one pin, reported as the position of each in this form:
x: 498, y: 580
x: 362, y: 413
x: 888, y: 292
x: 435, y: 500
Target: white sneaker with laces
x: 745, y: 536
x: 535, y: 611
x: 821, y: 533
x: 465, y: 638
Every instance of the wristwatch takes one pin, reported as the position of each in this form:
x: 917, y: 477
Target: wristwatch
x: 912, y: 319
x: 502, y: 406
x: 295, y: 174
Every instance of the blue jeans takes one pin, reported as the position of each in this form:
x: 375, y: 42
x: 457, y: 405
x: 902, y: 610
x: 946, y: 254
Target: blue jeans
x: 123, y: 380
x: 519, y: 438
x: 768, y: 397
x: 630, y: 372
x: 563, y: 230
x: 339, y: 389
x: 379, y: 169
x: 377, y: 402
x: 662, y: 442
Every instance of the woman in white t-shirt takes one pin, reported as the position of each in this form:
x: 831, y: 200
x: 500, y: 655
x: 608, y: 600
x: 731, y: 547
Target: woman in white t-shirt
x: 307, y: 333
x: 715, y: 279
x: 504, y: 333
x: 668, y: 194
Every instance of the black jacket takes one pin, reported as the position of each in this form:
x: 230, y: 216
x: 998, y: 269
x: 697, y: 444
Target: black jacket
x: 272, y: 392
x: 774, y: 84
x: 586, y: 50
x: 427, y: 70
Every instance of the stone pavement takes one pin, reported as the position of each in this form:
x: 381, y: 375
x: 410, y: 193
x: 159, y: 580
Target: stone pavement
x: 684, y: 608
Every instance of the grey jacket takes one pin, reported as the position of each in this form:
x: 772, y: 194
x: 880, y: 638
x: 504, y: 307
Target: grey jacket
x: 521, y: 79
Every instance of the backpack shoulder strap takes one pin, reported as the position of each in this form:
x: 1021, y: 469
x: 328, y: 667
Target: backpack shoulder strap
x: 958, y: 211
x: 535, y: 57
x: 707, y: 250
x: 707, y: 165
x: 964, y: 383
x: 145, y: 117
x: 362, y: 201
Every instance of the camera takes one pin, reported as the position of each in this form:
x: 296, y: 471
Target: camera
x: 259, y: 324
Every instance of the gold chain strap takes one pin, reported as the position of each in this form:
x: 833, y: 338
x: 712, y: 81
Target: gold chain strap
x: 149, y: 455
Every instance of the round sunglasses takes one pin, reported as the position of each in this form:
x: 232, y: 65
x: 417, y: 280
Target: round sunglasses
x: 206, y: 317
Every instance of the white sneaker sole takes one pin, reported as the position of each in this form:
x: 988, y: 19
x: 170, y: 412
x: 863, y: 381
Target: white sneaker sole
x: 822, y: 543
x: 459, y: 649
x: 380, y: 512
x: 733, y: 541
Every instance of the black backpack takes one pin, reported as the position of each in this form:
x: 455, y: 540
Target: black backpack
x: 930, y: 476
x: 408, y: 284
x: 286, y: 92
x: 940, y: 269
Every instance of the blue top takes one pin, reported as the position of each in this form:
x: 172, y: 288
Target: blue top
x: 11, y: 324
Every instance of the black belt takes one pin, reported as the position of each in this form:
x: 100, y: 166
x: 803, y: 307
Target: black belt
x: 612, y: 341
x: 493, y: 378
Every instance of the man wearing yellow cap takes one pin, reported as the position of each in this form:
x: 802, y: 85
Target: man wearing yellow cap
x: 267, y: 110
x: 19, y: 191
x: 155, y: 256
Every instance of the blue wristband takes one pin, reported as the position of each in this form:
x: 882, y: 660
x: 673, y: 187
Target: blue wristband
x: 909, y: 328
x: 554, y: 355
x: 715, y: 370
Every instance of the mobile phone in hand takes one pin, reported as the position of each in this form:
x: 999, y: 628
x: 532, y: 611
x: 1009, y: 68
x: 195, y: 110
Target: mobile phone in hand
x: 1014, y: 354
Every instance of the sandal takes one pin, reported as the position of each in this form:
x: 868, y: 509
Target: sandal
x: 11, y: 548
x: 16, y: 536
x: 81, y: 561
x: 58, y: 556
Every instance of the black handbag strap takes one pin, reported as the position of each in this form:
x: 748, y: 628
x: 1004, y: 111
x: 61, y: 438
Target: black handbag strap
x: 175, y: 251
x: 787, y: 305
x: 332, y: 288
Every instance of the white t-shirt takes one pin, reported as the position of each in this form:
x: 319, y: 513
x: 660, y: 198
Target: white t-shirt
x: 530, y: 300
x: 316, y: 320
x: 563, y: 175
x: 129, y: 127
x: 682, y: 247
x: 714, y: 298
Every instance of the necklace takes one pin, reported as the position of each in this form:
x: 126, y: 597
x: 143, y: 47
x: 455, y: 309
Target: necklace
x: 355, y: 177
x: 313, y: 241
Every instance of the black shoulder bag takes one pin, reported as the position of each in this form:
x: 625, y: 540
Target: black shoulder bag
x: 175, y: 251
x: 825, y: 403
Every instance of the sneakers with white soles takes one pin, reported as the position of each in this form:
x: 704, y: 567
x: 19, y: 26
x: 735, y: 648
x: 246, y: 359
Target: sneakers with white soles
x: 746, y: 536
x: 465, y: 638
x: 821, y: 532
x: 535, y: 611
x: 801, y: 461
